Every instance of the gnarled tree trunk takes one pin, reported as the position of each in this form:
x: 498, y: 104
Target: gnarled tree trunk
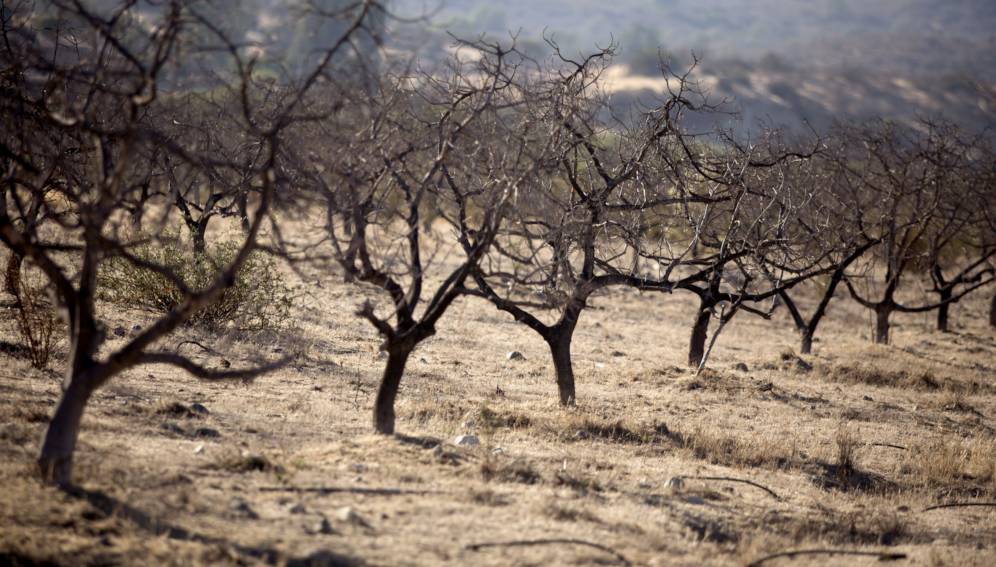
x: 55, y: 459
x: 882, y: 314
x: 397, y: 357
x: 560, y: 348
x: 700, y: 332
x: 992, y: 311
x: 12, y: 274
x: 943, y: 310
x: 806, y: 346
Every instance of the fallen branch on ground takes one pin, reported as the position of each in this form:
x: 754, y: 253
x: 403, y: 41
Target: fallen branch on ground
x: 792, y: 554
x: 958, y: 505
x: 890, y: 445
x: 348, y: 490
x: 555, y: 541
x: 740, y: 480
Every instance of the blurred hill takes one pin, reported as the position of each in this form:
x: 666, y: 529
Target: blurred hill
x: 789, y: 62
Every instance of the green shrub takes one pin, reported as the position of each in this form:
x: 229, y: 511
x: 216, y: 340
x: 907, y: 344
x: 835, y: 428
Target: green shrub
x: 258, y: 300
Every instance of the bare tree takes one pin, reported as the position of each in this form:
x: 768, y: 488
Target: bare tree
x: 422, y: 137
x: 567, y: 239
x: 960, y: 243
x: 833, y: 221
x: 909, y: 174
x: 755, y: 244
x: 79, y: 99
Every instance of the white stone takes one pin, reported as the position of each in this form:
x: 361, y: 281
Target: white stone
x: 467, y: 440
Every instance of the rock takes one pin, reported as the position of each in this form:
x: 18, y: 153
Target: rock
x: 299, y: 509
x: 802, y: 365
x: 618, y: 353
x: 515, y: 355
x: 242, y: 508
x: 467, y: 440
x: 206, y: 432
x: 867, y: 398
x: 199, y: 449
x: 172, y: 428
x: 119, y: 331
x: 349, y: 516
x: 198, y: 409
x: 741, y: 367
x: 676, y: 483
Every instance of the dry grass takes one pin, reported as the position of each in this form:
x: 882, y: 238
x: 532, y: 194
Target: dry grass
x: 855, y: 448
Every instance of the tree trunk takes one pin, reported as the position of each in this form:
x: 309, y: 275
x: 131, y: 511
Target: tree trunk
x: 56, y: 457
x: 12, y: 274
x: 700, y: 332
x: 807, y: 340
x: 992, y: 311
x: 943, y: 311
x: 882, y: 313
x: 243, y: 205
x: 197, y: 239
x: 397, y: 357
x: 560, y: 348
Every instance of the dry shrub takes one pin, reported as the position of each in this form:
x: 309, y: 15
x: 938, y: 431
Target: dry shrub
x: 487, y: 498
x: 257, y: 301
x: 873, y: 376
x: 491, y: 420
x: 579, y: 428
x: 423, y: 412
x: 576, y: 482
x: 37, y: 320
x: 958, y: 465
x: 847, y: 447
x: 721, y: 449
x: 518, y: 470
x: 861, y: 527
x: 563, y: 513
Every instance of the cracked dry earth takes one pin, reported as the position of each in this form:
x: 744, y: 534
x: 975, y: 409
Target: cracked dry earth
x: 841, y: 450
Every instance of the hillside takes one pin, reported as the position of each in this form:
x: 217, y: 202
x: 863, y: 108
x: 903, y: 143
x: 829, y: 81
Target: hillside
x: 788, y: 62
